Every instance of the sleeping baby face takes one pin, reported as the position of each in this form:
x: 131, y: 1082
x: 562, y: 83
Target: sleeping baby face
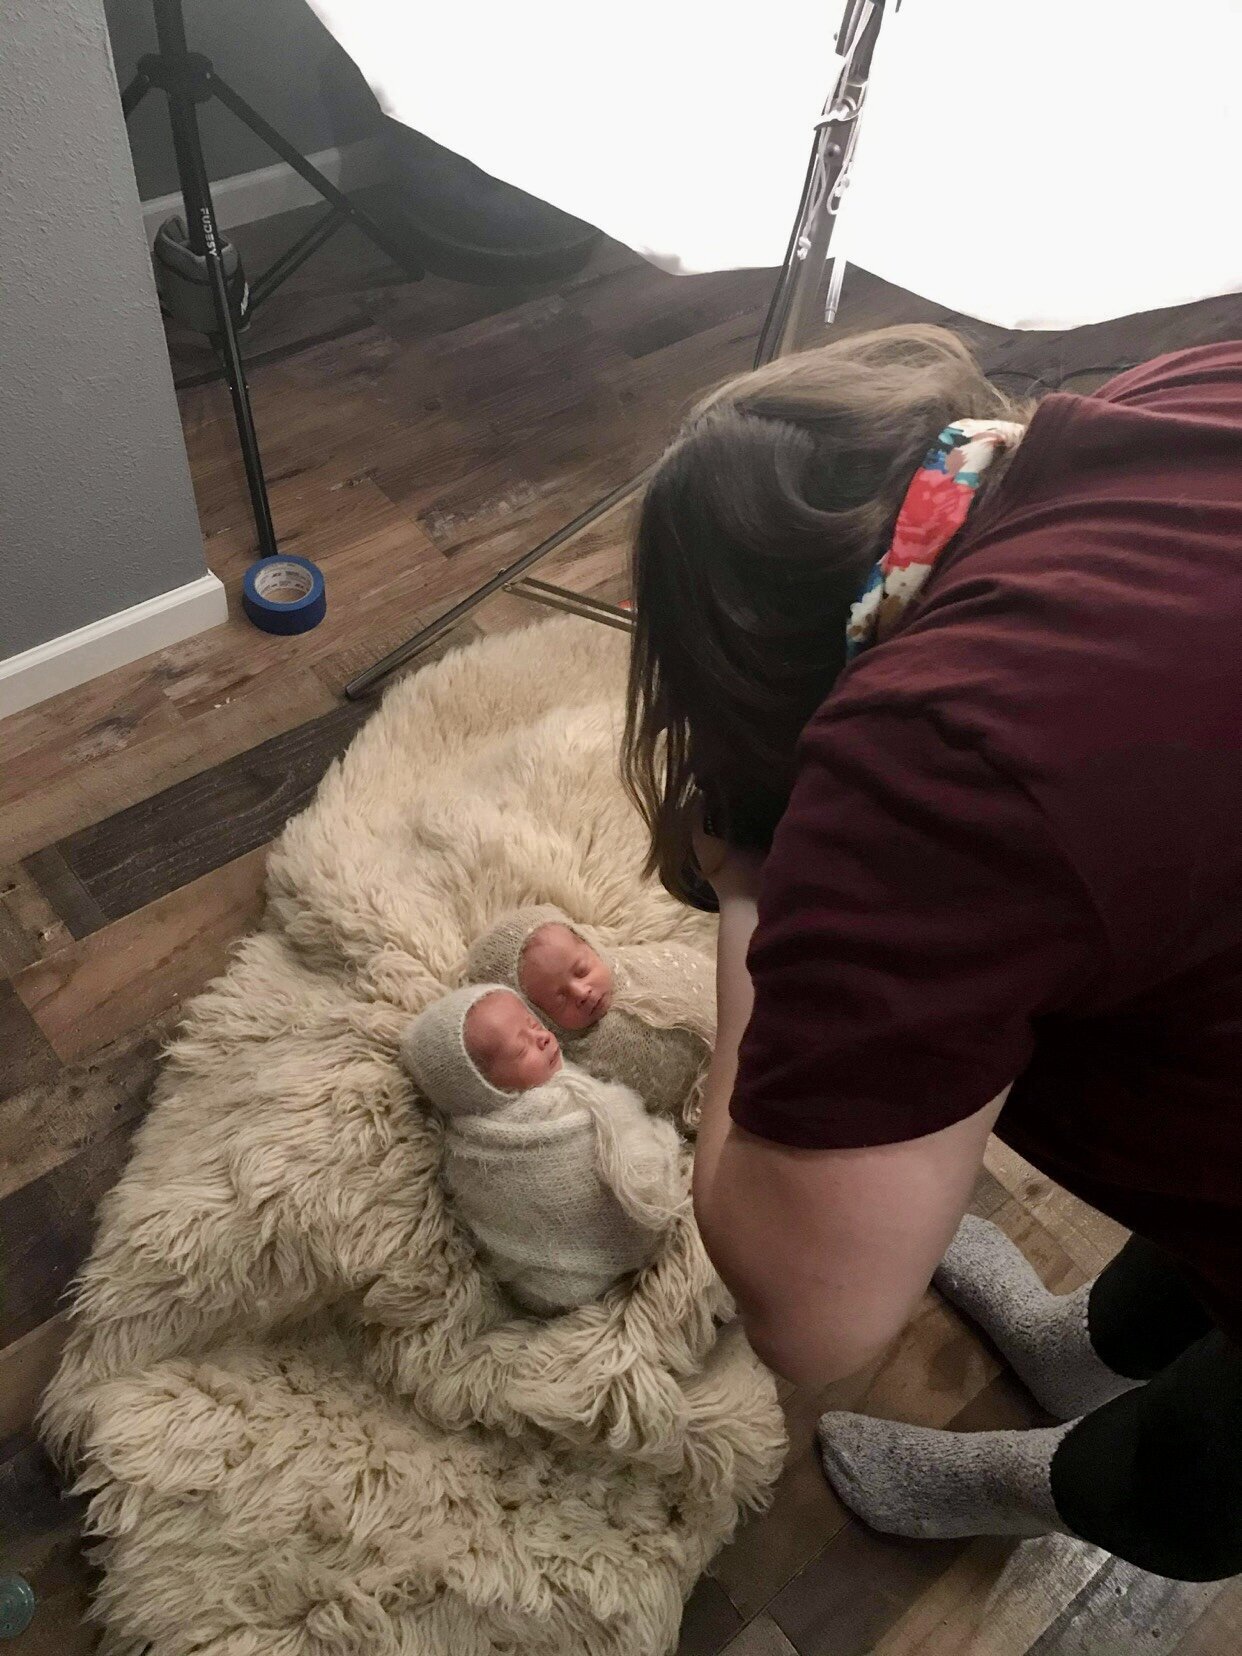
x: 565, y: 978
x: 508, y: 1044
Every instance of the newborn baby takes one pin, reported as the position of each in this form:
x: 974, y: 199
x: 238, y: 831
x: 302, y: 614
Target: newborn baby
x: 564, y: 1182
x: 643, y: 1016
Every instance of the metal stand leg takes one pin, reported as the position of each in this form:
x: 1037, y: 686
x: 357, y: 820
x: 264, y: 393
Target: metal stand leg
x: 807, y: 250
x: 134, y: 93
x: 204, y: 240
x: 284, y: 266
x: 573, y: 603
x: 506, y: 578
x: 324, y: 186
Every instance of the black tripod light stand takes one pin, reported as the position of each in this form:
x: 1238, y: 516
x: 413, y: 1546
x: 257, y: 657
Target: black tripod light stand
x: 188, y: 79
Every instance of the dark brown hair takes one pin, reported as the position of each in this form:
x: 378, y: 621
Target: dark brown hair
x: 756, y: 534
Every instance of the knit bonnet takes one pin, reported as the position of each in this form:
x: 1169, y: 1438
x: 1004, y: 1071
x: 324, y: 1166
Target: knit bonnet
x: 497, y: 956
x: 433, y: 1050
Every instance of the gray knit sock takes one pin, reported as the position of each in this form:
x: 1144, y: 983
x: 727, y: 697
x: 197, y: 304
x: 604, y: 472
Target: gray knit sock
x: 910, y: 1480
x: 1042, y: 1336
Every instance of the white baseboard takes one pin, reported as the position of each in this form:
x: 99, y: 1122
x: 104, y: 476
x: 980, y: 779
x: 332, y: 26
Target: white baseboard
x: 246, y: 197
x: 118, y: 639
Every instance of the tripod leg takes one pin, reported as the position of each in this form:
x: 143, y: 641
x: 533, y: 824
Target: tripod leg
x: 205, y: 240
x: 289, y: 261
x: 235, y: 377
x: 326, y: 188
x: 133, y: 94
x: 422, y: 641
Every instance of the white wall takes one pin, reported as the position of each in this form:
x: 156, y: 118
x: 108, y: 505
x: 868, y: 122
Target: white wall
x: 96, y: 509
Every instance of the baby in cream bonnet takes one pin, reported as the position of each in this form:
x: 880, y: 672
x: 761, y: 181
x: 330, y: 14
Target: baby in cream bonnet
x: 643, y: 1015
x: 565, y: 1183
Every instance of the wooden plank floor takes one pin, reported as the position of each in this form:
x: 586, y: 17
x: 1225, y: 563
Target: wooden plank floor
x: 417, y: 436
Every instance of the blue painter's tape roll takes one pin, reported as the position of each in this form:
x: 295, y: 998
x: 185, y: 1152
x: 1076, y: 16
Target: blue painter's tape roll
x: 17, y: 1606
x: 284, y: 594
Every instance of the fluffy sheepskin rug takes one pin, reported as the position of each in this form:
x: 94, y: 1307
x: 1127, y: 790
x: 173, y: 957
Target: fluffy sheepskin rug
x: 308, y: 1423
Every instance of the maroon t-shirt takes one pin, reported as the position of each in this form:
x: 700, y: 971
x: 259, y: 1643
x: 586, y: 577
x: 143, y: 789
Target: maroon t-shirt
x: 1014, y: 848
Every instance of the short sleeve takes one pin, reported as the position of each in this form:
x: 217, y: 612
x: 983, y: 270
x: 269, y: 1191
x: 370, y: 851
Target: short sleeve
x: 916, y: 919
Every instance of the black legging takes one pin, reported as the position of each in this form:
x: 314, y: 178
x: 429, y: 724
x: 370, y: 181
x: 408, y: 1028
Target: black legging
x: 1156, y: 1475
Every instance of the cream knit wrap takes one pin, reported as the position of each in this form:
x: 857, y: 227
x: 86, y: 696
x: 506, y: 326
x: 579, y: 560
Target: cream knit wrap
x: 565, y: 1187
x: 659, y: 1035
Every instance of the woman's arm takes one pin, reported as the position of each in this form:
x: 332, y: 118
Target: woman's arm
x: 920, y: 919
x: 826, y: 1251
x: 735, y: 876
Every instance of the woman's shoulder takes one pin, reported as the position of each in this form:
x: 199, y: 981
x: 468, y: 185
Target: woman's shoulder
x: 1204, y: 379
x: 1066, y: 612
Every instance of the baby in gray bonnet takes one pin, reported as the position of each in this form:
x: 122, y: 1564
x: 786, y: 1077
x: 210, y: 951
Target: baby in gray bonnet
x: 565, y: 1182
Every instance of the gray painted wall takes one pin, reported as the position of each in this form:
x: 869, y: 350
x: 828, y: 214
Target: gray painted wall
x: 281, y: 59
x: 96, y: 508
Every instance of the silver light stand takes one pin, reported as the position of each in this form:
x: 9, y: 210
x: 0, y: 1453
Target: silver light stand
x: 789, y: 312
